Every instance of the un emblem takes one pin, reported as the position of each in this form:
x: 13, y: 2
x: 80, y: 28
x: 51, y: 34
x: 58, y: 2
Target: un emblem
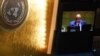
x: 14, y: 12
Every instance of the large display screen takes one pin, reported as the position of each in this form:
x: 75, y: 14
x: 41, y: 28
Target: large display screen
x: 77, y: 21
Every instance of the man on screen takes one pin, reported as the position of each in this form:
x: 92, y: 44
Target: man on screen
x: 78, y: 22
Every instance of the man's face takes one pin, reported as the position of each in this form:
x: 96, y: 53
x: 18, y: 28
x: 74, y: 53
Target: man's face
x: 78, y: 17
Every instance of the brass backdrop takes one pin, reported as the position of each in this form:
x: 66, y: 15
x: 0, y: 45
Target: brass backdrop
x: 12, y: 13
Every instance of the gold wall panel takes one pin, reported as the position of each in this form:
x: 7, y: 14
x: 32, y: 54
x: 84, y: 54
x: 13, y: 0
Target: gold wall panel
x: 25, y: 40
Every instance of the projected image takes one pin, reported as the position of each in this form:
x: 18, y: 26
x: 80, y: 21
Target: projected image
x: 77, y: 21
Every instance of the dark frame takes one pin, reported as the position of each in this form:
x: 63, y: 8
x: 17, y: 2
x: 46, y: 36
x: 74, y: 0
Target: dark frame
x: 73, y: 7
x: 60, y: 37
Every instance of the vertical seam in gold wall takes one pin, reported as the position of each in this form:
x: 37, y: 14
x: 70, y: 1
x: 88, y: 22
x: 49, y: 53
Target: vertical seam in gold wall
x: 52, y: 29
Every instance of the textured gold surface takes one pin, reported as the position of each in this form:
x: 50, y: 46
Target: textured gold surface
x: 18, y: 42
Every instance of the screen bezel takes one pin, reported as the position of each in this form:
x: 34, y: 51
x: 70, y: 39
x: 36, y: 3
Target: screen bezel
x: 73, y: 7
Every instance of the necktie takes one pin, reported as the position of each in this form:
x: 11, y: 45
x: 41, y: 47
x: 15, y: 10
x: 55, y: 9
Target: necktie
x: 80, y: 26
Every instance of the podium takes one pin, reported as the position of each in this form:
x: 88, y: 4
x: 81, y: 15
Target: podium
x: 85, y: 28
x: 72, y: 42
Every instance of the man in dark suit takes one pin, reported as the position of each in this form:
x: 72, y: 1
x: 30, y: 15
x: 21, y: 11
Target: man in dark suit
x: 78, y: 22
